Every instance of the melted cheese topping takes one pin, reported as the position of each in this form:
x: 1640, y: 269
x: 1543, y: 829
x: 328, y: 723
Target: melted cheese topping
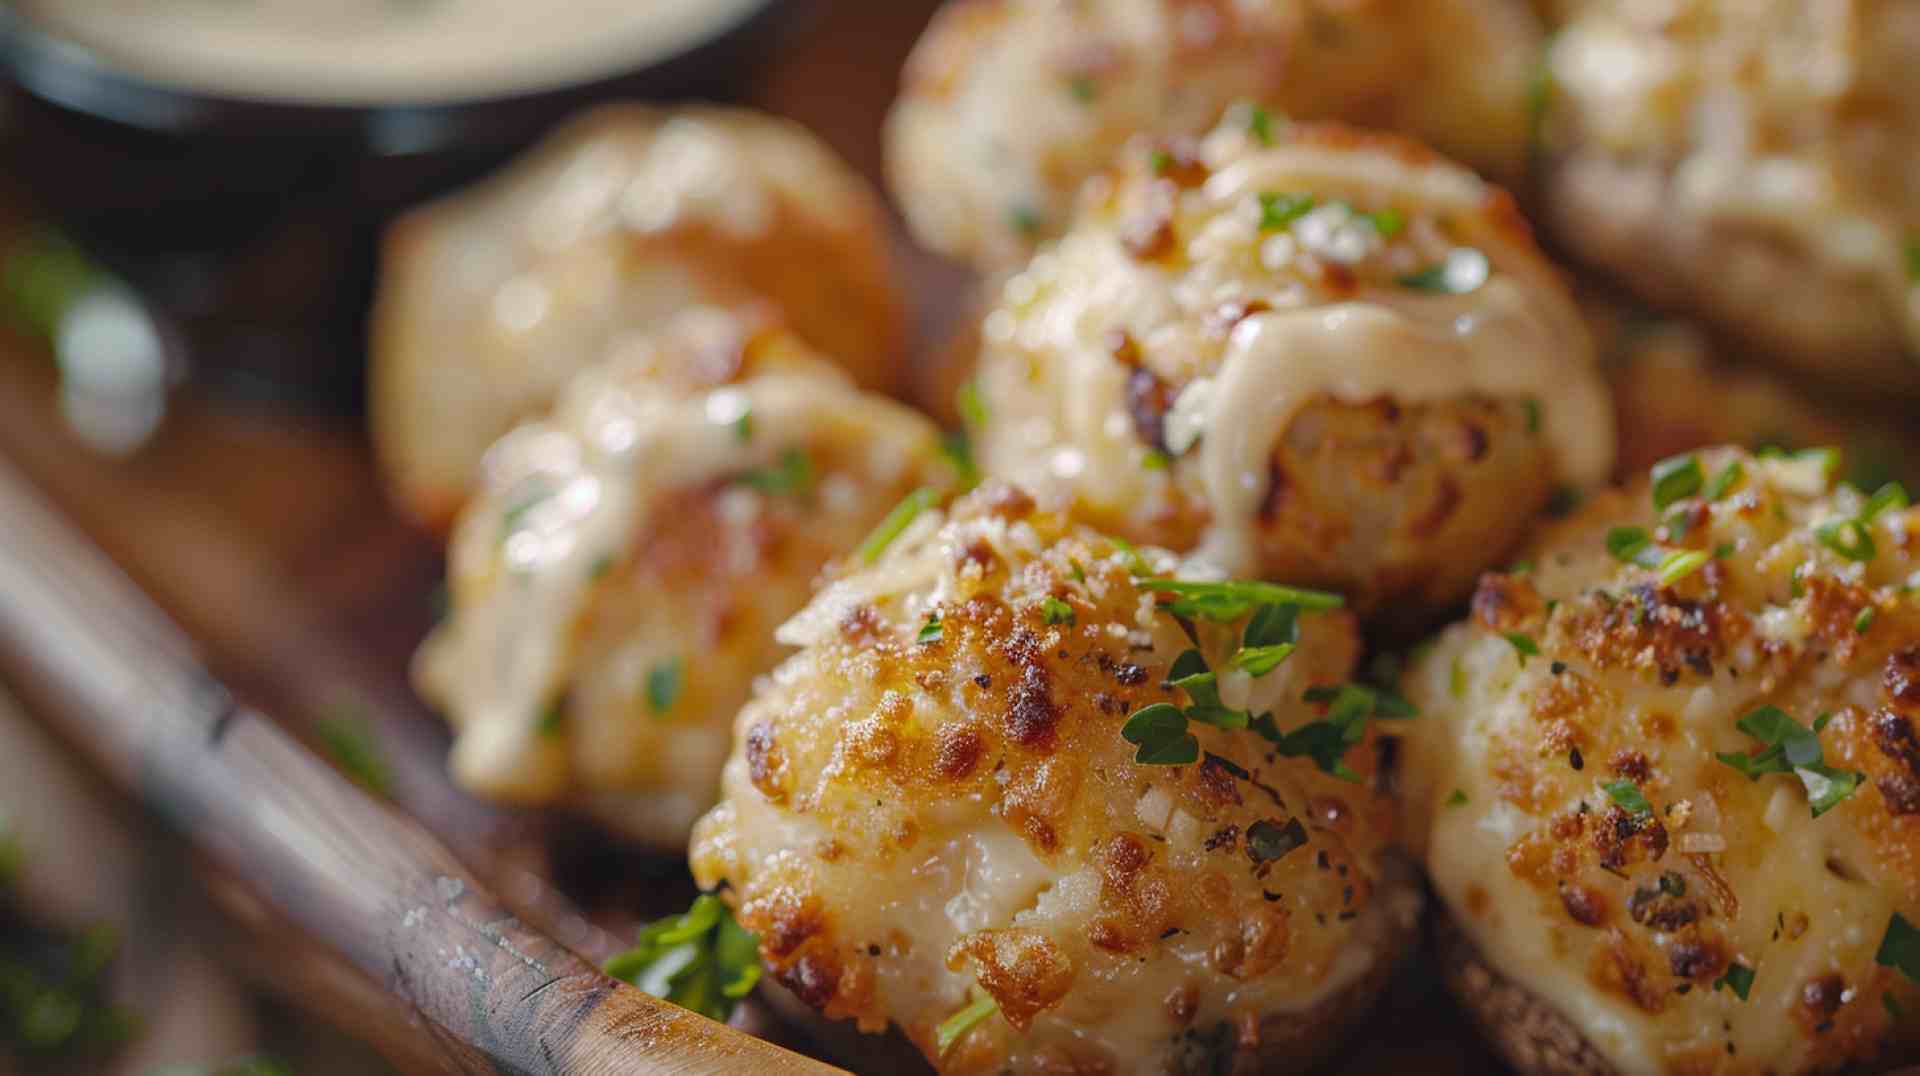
x: 1795, y: 121
x: 1624, y: 927
x: 1341, y: 324
x: 900, y: 837
x: 383, y: 51
x: 570, y: 500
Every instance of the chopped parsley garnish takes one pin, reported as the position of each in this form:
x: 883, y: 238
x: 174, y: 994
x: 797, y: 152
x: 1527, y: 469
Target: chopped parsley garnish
x: 351, y: 742
x: 1229, y: 601
x: 701, y: 960
x: 1269, y: 639
x: 1268, y: 840
x: 1864, y: 620
x: 1523, y: 645
x: 1160, y: 160
x: 1025, y: 220
x: 1457, y: 799
x: 1260, y: 124
x: 1725, y: 481
x: 1160, y: 733
x: 1737, y: 978
x: 1681, y: 563
x: 932, y: 631
x: 1540, y: 90
x: 1083, y: 88
x: 1723, y: 550
x: 897, y: 520
x: 1457, y: 680
x: 792, y: 475
x: 552, y: 720
x: 972, y: 408
x: 743, y: 426
x: 957, y: 447
x: 1261, y: 660
x: 1675, y: 478
x: 953, y: 1027
x: 1463, y: 270
x: 600, y: 567
x: 1891, y: 496
x: 1387, y: 222
x: 665, y: 681
x: 1632, y: 545
x: 1278, y: 210
x: 1156, y: 460
x: 1847, y: 537
x: 1900, y: 948
x: 1532, y: 407
x: 1792, y: 748
x: 1055, y: 611
x: 54, y: 1005
x: 1628, y: 797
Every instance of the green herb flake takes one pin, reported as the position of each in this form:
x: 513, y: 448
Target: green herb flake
x: 1532, y: 408
x: 1628, y: 797
x: 1387, y: 222
x: 1900, y: 948
x: 743, y: 427
x: 1260, y: 660
x: 972, y: 407
x: 1847, y: 537
x: 665, y: 682
x: 1155, y: 460
x: 954, y: 1027
x: 1725, y: 481
x: 896, y: 521
x: 355, y: 748
x: 1279, y: 210
x: 1523, y: 645
x: 1458, y: 799
x: 1457, y: 680
x: 1674, y: 479
x: 1160, y: 733
x: 1737, y: 978
x: 1461, y: 272
x: 1229, y: 601
x: 1563, y: 500
x: 1268, y: 840
x: 932, y: 631
x: 1160, y: 160
x: 1864, y: 621
x: 957, y: 447
x: 1082, y: 88
x: 1260, y: 124
x: 1055, y: 611
x: 1025, y: 220
x: 702, y: 960
x: 1890, y: 497
x: 1628, y: 544
x: 553, y: 720
x: 1681, y: 563
x: 1792, y: 748
x: 791, y: 476
x: 1723, y: 551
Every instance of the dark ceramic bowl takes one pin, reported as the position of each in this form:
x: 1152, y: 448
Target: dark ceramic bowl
x: 251, y: 224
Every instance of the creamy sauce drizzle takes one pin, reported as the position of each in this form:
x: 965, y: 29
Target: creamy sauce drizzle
x: 376, y: 51
x: 616, y: 445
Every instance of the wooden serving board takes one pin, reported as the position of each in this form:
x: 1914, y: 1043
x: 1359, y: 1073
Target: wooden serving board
x: 265, y: 535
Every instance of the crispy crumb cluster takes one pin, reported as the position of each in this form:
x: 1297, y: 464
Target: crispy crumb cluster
x: 1670, y: 779
x: 933, y: 807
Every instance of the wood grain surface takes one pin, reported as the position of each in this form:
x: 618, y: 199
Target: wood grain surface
x: 265, y: 537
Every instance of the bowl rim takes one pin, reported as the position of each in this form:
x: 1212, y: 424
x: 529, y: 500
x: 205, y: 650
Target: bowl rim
x: 78, y: 79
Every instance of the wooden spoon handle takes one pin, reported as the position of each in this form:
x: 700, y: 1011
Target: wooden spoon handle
x: 92, y: 653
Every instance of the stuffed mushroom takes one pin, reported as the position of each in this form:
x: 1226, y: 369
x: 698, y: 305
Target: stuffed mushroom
x: 492, y: 298
x: 615, y: 585
x: 1008, y: 105
x: 1667, y: 778
x: 1752, y: 160
x: 1313, y: 354
x: 1045, y: 809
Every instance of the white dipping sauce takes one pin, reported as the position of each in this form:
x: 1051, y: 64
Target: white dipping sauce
x: 382, y: 51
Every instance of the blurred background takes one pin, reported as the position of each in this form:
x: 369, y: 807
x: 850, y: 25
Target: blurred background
x: 193, y: 194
